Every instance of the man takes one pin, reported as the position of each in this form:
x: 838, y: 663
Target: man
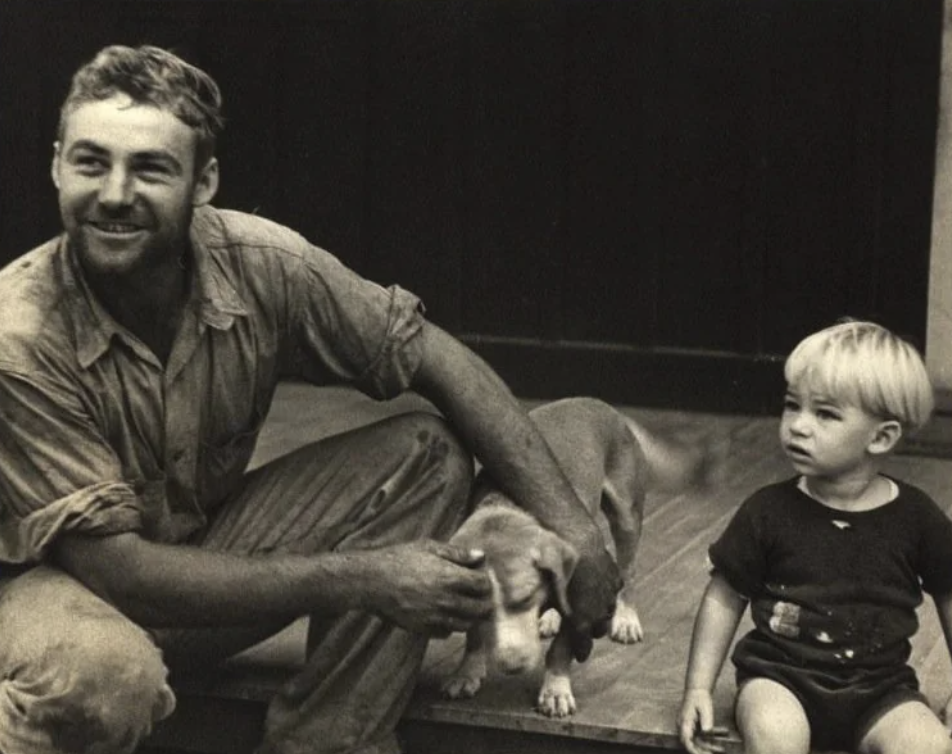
x: 139, y: 353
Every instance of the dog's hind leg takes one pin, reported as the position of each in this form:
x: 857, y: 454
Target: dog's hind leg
x: 625, y: 517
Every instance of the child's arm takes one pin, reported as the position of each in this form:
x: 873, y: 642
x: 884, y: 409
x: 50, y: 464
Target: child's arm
x: 714, y: 627
x: 943, y: 604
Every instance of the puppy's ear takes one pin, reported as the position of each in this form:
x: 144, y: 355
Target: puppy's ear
x: 557, y: 559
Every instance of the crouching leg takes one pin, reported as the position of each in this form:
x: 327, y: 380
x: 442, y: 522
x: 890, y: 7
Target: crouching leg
x: 75, y: 674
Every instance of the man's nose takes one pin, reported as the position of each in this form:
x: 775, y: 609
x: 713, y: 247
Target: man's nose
x: 116, y: 188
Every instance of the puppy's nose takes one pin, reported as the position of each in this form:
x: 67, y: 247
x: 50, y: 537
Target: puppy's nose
x: 513, y: 663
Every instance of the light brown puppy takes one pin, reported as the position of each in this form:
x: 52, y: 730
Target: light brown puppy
x: 612, y: 463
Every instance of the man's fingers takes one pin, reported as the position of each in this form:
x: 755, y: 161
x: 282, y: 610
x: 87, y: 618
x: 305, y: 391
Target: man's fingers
x: 469, y: 609
x: 464, y: 556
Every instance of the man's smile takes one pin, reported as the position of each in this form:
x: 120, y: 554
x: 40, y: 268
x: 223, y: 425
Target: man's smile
x: 114, y: 228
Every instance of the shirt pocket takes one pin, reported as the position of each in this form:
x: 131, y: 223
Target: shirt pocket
x: 222, y: 464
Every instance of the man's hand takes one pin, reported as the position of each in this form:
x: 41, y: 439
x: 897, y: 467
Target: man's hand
x: 592, y: 593
x: 429, y: 587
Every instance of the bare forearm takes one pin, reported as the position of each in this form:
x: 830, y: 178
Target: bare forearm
x: 717, y: 619
x: 494, y: 424
x: 162, y: 585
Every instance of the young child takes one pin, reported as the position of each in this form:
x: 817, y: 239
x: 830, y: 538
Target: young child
x: 833, y: 563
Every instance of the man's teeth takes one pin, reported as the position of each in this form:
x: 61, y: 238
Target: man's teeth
x: 116, y: 228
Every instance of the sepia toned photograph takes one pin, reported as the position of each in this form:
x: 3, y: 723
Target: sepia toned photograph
x: 471, y: 376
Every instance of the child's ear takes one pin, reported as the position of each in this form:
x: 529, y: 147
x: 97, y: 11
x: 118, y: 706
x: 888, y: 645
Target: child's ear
x: 886, y: 437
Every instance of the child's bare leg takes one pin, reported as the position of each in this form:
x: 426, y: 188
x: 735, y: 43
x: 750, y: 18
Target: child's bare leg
x: 771, y: 719
x: 908, y: 727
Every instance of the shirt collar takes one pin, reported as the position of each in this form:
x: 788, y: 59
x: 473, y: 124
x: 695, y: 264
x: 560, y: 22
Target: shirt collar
x: 213, y: 299
x: 214, y: 295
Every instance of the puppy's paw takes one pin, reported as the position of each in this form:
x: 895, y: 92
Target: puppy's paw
x: 549, y: 623
x: 467, y: 679
x: 626, y: 626
x: 555, y: 697
x: 461, y: 687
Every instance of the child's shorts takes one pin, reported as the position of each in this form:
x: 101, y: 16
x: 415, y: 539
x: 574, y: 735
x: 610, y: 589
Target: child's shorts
x: 841, y: 708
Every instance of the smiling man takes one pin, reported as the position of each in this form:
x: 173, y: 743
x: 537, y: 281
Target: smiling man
x: 139, y: 353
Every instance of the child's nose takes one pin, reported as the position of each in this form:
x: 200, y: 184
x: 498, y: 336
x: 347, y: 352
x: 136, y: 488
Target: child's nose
x: 799, y: 424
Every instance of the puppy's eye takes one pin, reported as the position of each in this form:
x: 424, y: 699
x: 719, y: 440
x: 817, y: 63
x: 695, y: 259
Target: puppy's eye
x: 523, y: 603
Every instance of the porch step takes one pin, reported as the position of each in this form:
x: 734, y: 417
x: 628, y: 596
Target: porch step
x: 225, y: 715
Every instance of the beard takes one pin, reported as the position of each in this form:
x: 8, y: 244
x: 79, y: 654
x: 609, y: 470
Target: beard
x: 139, y: 254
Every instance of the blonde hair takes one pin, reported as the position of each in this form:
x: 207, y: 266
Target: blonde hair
x: 868, y: 366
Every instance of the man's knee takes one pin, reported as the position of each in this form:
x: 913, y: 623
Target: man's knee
x: 435, y: 448
x: 436, y: 466
x: 435, y: 438
x: 90, y: 681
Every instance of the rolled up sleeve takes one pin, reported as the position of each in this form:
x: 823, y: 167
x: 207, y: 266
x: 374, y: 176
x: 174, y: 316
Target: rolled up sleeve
x: 362, y: 332
x: 59, y: 475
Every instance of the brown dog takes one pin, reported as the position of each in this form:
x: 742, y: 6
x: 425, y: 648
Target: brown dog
x: 611, y: 463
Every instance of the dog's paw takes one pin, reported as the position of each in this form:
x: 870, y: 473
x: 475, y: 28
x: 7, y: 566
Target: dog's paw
x: 549, y: 623
x: 555, y: 697
x: 626, y: 626
x: 461, y: 687
x: 467, y: 678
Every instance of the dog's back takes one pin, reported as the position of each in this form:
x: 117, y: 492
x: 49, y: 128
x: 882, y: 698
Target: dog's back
x: 597, y: 450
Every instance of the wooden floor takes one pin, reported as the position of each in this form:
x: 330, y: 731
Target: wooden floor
x: 627, y: 695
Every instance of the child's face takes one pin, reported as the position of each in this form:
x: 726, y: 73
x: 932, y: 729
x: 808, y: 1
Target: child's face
x: 823, y: 436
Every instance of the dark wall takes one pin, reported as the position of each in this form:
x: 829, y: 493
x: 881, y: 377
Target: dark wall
x: 649, y: 200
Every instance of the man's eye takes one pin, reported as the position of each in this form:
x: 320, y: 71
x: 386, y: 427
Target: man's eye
x: 152, y: 171
x: 88, y: 164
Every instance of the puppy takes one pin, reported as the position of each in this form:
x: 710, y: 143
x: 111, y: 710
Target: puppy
x: 611, y: 463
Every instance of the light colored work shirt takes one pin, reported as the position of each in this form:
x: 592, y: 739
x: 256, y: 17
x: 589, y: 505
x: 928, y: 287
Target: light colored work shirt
x: 97, y: 436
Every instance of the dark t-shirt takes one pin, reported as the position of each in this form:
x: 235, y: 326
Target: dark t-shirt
x: 833, y: 589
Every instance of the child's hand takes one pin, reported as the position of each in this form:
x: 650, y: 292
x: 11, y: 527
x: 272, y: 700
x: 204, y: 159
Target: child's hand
x: 696, y: 723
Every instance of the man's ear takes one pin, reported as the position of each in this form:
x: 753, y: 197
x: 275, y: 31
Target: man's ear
x: 886, y: 437
x: 55, y: 165
x: 206, y: 186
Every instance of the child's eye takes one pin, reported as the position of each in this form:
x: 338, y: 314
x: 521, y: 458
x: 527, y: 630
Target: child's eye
x: 789, y: 404
x: 827, y: 414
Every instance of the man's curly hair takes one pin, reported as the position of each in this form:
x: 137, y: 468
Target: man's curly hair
x: 152, y: 76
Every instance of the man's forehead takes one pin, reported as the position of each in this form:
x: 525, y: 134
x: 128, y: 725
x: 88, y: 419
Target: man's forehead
x: 119, y: 124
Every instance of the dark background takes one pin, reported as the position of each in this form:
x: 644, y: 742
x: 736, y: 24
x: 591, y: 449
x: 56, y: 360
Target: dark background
x: 647, y: 200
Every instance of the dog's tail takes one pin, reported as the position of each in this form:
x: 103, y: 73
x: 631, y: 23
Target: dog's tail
x: 688, y: 457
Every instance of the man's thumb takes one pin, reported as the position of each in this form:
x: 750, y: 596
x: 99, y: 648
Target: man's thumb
x: 464, y: 556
